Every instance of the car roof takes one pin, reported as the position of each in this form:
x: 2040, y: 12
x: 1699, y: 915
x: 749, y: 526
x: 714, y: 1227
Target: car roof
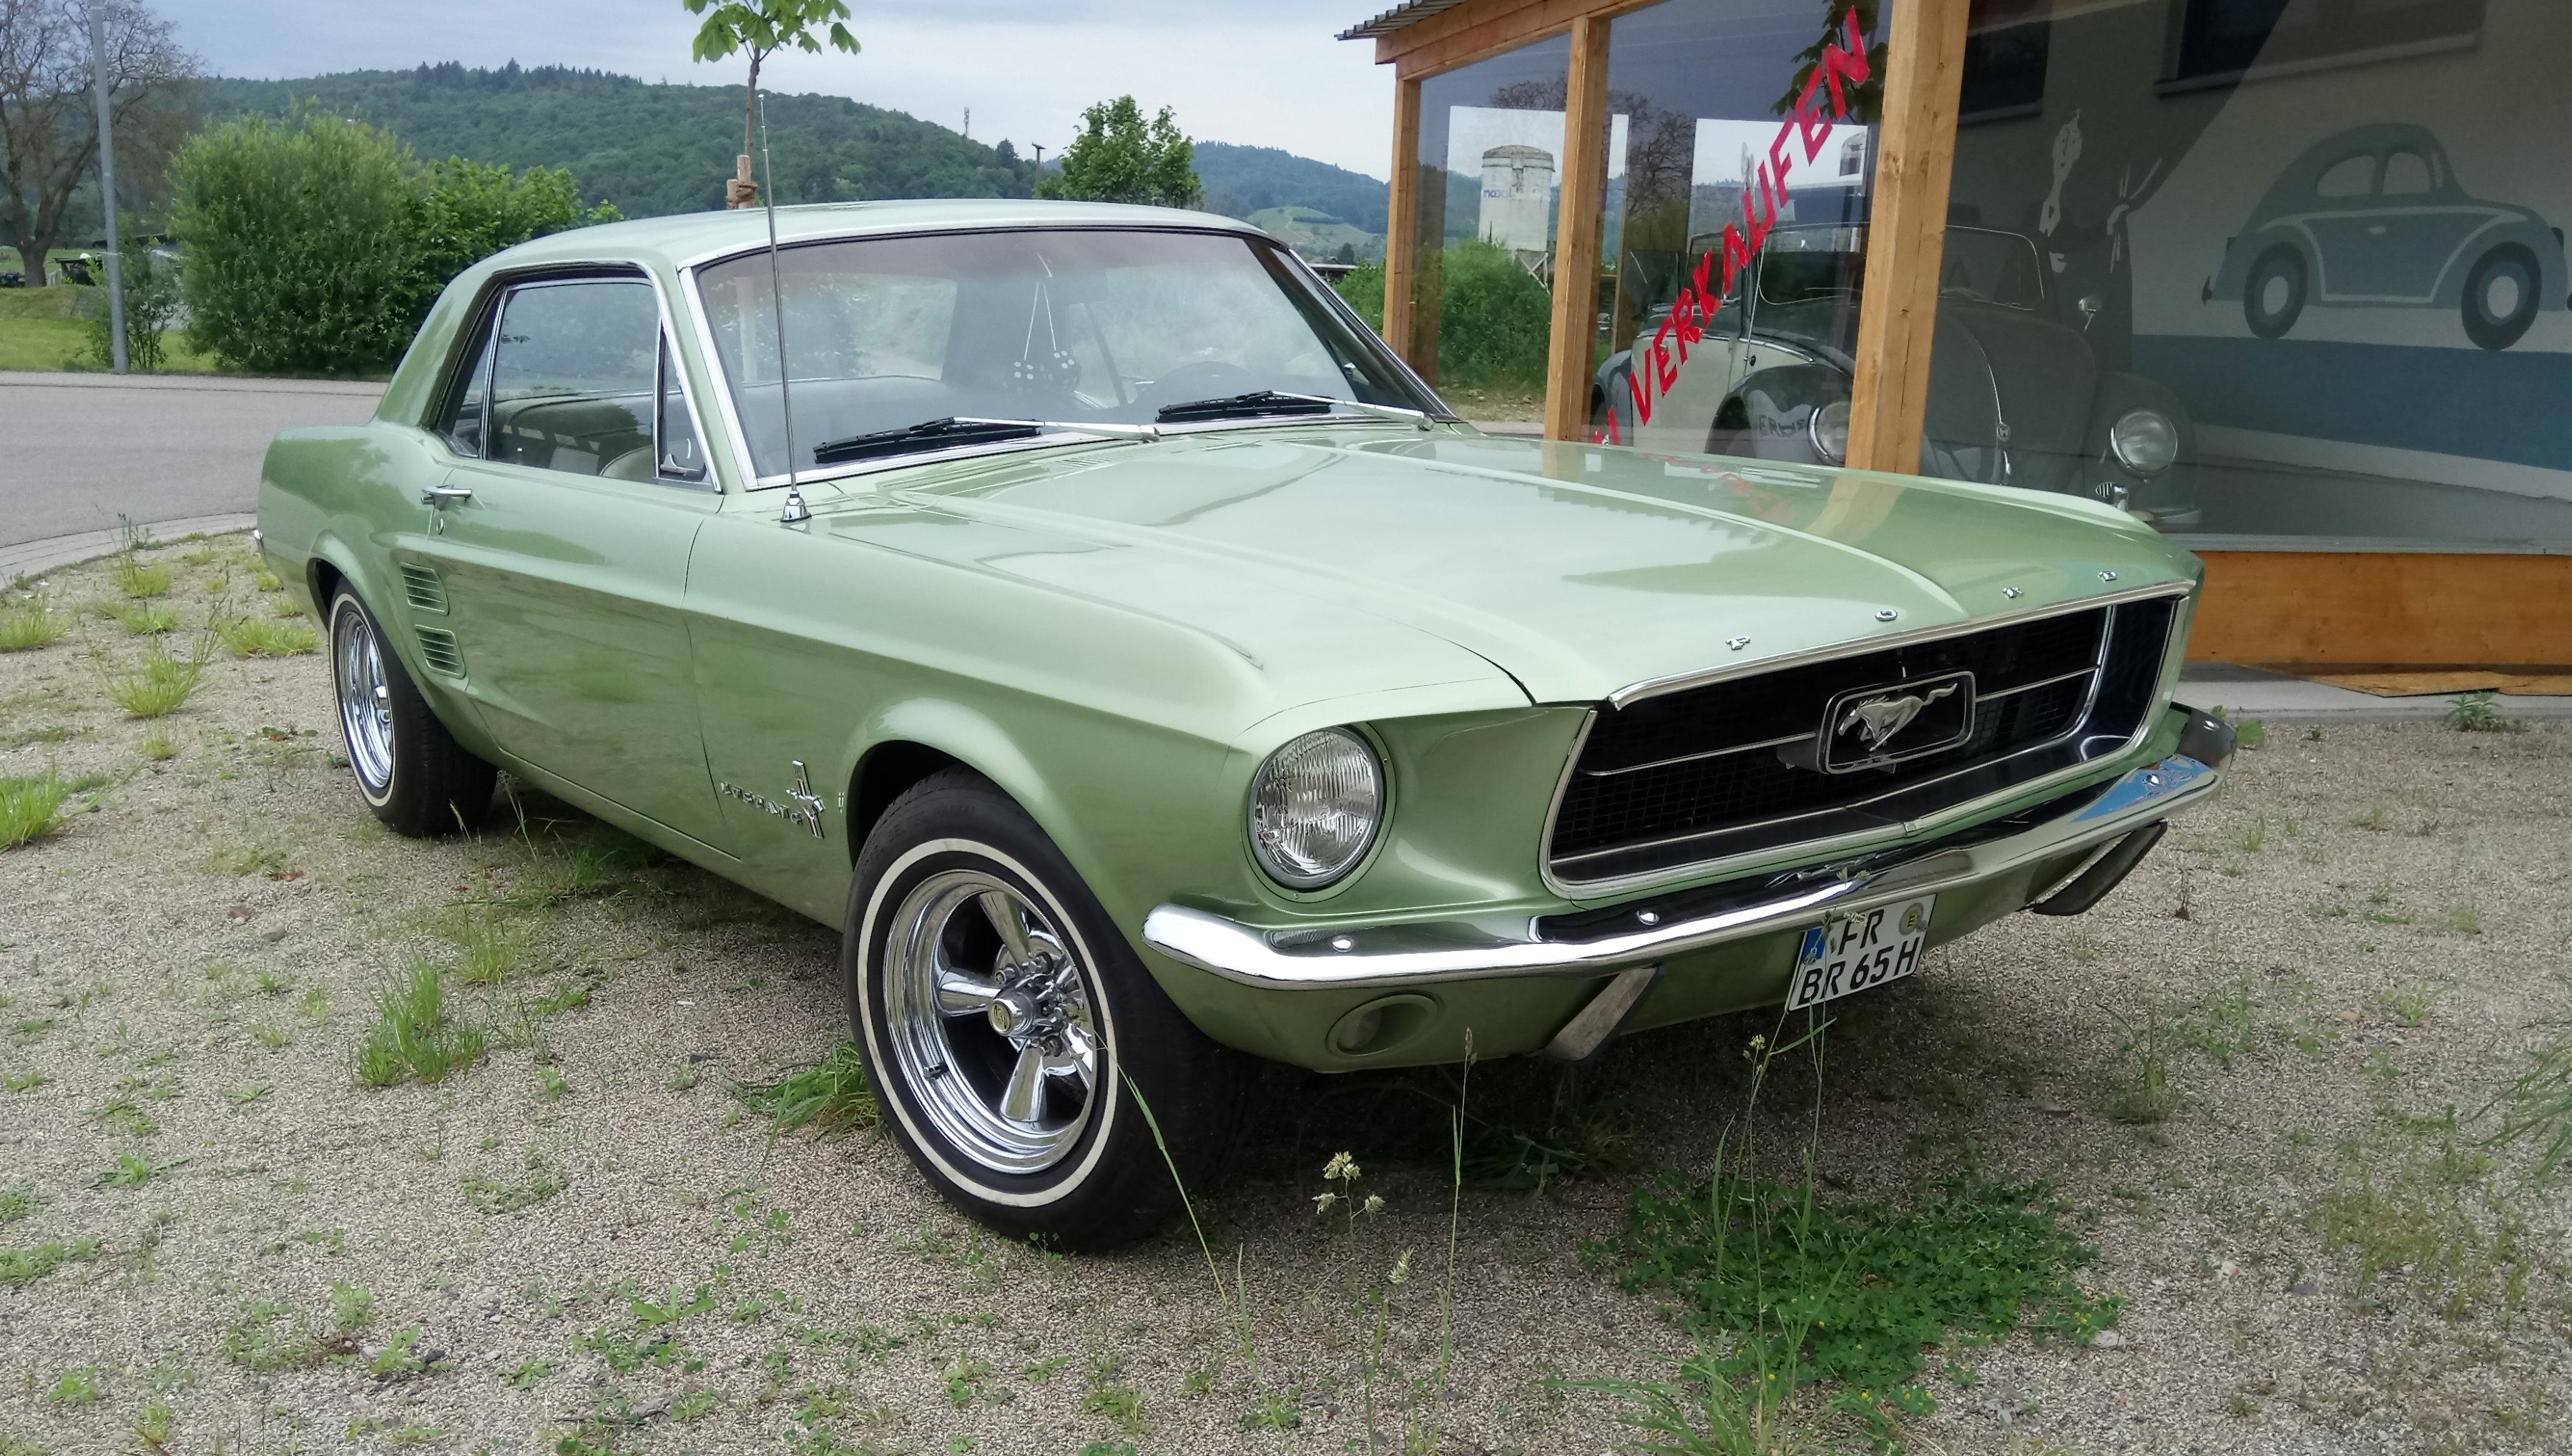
x: 692, y: 238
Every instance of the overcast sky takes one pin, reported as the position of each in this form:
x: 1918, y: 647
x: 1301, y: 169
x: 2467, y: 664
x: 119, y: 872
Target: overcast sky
x: 1258, y: 72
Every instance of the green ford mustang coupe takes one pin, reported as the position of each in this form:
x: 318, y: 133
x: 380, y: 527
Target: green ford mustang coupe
x: 1079, y: 607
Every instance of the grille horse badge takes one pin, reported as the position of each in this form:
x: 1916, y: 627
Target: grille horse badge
x: 1879, y: 718
x: 1889, y: 723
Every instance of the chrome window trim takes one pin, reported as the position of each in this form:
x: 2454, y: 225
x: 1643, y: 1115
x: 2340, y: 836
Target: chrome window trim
x: 495, y: 300
x: 693, y: 287
x: 1589, y: 890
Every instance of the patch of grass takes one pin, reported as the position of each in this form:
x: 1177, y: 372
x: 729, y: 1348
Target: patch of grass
x: 133, y: 1170
x: 123, y: 1117
x: 2479, y: 712
x: 415, y: 1036
x: 2465, y: 920
x: 31, y: 624
x: 159, y: 685
x: 23, y: 1082
x: 2536, y: 1109
x: 2422, y: 1207
x: 243, y: 1097
x: 18, y: 1200
x: 2411, y: 1005
x: 159, y: 746
x: 502, y: 1195
x: 528, y: 1375
x: 492, y: 948
x: 830, y: 1097
x: 20, y: 1267
x: 2222, y: 1022
x: 271, y: 1335
x: 31, y: 808
x: 2141, y: 1094
x: 685, y: 1077
x: 550, y: 1085
x: 139, y: 579
x: 79, y: 1385
x: 1112, y: 1397
x: 143, y: 618
x: 401, y: 1358
x: 267, y: 637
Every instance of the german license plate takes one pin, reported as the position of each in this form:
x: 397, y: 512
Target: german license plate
x: 1848, y: 953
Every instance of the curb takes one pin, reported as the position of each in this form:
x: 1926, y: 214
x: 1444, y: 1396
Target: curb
x: 203, y: 384
x: 34, y: 559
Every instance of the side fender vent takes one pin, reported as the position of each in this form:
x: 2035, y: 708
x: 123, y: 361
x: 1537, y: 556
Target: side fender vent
x: 425, y: 591
x: 438, y: 649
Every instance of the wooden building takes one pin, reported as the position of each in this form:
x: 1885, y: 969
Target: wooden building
x: 2278, y: 275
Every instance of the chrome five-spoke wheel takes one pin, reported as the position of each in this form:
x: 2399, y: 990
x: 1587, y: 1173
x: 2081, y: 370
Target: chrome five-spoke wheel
x: 365, y: 699
x: 989, y: 1011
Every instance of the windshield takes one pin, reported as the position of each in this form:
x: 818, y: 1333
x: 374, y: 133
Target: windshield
x: 1090, y: 326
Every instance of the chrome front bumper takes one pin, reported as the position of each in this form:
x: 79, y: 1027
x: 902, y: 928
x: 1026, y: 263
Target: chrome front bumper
x: 1411, y: 955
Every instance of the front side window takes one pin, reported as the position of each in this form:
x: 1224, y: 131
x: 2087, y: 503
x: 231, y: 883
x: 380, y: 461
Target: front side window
x: 1077, y: 326
x: 2349, y: 177
x: 2407, y: 173
x: 573, y: 376
x: 460, y: 423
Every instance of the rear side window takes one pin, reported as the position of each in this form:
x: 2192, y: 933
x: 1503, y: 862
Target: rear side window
x: 575, y: 377
x: 2349, y: 177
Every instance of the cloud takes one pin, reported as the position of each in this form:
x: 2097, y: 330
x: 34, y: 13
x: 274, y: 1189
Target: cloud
x: 1259, y: 74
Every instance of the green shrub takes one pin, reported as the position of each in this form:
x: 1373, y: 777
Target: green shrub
x: 1494, y: 320
x: 30, y: 808
x: 151, y: 306
x: 29, y: 624
x: 299, y: 255
x: 316, y: 245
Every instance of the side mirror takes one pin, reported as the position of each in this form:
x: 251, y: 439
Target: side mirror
x: 2090, y: 304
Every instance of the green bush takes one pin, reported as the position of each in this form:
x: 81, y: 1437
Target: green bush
x: 151, y: 304
x: 1495, y: 320
x: 316, y: 245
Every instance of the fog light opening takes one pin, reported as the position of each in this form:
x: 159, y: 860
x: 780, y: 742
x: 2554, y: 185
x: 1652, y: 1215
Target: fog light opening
x: 1382, y: 1025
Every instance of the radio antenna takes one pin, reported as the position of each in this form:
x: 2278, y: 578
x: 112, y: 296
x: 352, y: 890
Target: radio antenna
x: 796, y: 510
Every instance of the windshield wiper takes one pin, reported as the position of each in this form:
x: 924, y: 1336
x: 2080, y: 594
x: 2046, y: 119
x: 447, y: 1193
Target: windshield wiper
x: 962, y: 429
x: 1281, y: 402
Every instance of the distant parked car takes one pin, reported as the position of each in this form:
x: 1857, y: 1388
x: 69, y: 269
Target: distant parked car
x: 1133, y: 659
x: 2375, y: 217
x: 2016, y: 396
x: 77, y: 270
x: 13, y: 280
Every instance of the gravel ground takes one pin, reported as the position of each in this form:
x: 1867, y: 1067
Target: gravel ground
x: 2232, y: 1071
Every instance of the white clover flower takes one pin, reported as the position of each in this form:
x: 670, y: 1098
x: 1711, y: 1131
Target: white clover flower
x: 1322, y: 1203
x: 1341, y: 1166
x: 1374, y: 1204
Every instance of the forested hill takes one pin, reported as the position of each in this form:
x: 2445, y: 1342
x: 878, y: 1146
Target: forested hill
x: 649, y: 149
x: 1240, y: 180
x: 655, y: 149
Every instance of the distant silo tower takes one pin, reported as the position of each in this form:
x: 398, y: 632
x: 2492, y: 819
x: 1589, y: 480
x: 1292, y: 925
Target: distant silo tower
x: 1518, y: 196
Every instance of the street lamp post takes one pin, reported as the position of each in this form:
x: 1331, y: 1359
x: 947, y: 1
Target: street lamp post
x: 106, y: 183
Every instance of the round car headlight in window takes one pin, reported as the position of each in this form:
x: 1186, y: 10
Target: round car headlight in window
x: 1314, y: 808
x: 1829, y: 428
x: 2145, y: 440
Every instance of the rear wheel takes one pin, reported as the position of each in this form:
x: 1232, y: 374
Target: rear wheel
x: 2501, y: 295
x: 1001, y: 1016
x: 410, y: 771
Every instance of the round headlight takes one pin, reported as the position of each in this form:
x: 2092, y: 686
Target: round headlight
x: 2145, y: 440
x: 1829, y: 429
x: 1314, y: 808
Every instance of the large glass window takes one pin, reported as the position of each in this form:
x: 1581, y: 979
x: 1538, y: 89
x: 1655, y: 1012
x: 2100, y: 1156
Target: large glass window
x: 2297, y: 278
x: 573, y: 377
x: 1076, y: 326
x: 1489, y: 183
x: 1741, y: 157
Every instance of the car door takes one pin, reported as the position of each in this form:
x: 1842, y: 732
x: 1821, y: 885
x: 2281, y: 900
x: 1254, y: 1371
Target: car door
x: 2425, y: 219
x: 561, y: 542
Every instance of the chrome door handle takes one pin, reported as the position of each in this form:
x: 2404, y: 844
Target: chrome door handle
x: 442, y: 496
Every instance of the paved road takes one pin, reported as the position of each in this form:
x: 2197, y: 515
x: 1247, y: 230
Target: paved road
x: 77, y: 450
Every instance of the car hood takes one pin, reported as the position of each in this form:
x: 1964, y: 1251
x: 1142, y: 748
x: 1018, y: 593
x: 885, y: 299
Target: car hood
x: 1577, y: 569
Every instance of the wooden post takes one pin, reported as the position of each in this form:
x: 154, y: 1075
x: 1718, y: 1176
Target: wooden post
x: 1576, y: 227
x: 1906, y: 233
x: 1402, y: 220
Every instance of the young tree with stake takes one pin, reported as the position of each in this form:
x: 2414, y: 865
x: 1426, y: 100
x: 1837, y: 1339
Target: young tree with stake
x: 762, y: 28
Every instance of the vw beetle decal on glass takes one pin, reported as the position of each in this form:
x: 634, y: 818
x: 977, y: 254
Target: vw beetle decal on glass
x: 1145, y: 672
x: 2376, y: 216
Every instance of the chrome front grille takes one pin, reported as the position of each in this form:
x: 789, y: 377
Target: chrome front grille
x: 1747, y: 765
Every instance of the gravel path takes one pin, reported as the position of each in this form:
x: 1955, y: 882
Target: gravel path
x: 586, y: 1236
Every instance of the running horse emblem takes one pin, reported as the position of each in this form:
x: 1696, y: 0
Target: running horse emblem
x: 1878, y: 719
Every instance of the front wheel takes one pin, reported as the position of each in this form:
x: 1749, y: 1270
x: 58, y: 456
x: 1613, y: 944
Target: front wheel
x: 410, y: 771
x: 1001, y: 1016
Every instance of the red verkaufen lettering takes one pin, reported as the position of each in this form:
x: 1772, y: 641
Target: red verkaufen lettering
x: 1656, y: 367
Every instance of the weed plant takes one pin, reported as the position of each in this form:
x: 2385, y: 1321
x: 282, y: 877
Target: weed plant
x: 2479, y: 712
x: 2536, y: 1109
x: 143, y: 618
x: 160, y: 684
x: 1783, y: 1290
x: 31, y: 808
x: 415, y: 1036
x: 29, y: 624
x: 137, y: 580
x: 268, y: 637
x: 830, y: 1097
